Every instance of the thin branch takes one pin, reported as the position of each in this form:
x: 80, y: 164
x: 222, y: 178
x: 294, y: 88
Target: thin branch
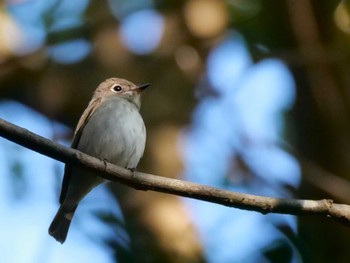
x: 143, y: 181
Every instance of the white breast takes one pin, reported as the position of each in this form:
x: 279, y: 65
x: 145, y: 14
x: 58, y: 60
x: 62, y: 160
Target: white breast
x: 116, y: 133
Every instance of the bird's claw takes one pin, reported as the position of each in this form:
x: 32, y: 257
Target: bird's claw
x: 132, y: 170
x: 105, y: 161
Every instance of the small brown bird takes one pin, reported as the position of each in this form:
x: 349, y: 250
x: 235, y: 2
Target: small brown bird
x: 111, y: 128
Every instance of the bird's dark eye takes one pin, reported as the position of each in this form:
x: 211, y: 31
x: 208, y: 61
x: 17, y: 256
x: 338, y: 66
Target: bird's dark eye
x: 117, y: 88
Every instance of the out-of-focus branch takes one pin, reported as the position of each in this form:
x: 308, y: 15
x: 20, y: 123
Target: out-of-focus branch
x: 143, y: 181
x: 323, y: 86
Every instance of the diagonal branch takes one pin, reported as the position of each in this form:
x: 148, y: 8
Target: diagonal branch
x: 143, y: 181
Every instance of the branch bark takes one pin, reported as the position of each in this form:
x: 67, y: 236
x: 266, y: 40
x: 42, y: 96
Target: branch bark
x: 143, y: 181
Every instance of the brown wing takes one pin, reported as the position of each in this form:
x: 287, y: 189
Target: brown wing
x: 77, y: 134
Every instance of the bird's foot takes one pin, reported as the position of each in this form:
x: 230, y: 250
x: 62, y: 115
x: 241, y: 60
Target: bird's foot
x: 132, y: 170
x: 105, y: 161
x: 136, y: 185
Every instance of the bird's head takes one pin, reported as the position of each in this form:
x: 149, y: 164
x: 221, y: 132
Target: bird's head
x: 121, y: 88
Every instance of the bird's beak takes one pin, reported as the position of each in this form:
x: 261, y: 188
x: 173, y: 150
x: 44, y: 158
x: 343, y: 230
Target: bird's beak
x: 142, y: 87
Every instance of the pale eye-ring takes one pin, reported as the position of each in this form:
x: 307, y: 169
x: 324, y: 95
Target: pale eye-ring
x: 117, y: 88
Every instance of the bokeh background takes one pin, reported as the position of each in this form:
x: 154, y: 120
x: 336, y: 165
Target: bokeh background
x: 247, y: 95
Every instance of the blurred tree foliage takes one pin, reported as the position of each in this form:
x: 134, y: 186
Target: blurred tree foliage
x: 311, y: 37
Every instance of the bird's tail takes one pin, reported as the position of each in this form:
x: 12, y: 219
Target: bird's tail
x: 60, y: 224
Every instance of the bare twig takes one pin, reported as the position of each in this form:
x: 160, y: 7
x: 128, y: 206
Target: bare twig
x: 143, y: 181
